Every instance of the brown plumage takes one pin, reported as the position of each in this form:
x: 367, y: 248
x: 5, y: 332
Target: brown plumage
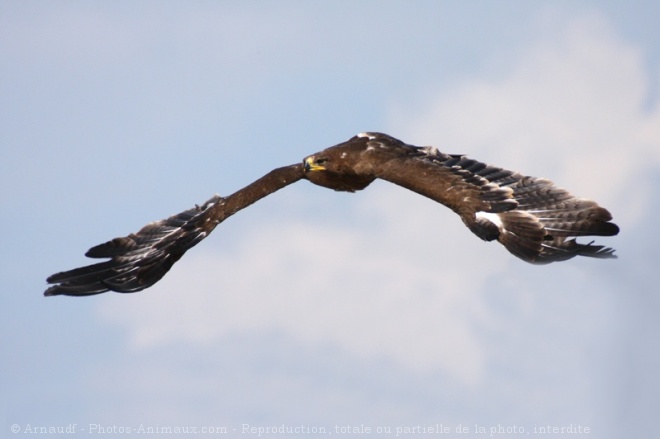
x: 532, y: 218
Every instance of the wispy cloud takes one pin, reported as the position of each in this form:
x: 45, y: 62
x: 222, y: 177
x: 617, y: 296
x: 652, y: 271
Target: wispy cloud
x: 408, y: 282
x: 571, y: 108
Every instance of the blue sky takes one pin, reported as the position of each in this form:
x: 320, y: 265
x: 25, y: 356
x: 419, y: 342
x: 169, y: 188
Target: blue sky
x: 311, y: 307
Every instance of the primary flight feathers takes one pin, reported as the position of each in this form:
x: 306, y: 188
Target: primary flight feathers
x: 535, y: 220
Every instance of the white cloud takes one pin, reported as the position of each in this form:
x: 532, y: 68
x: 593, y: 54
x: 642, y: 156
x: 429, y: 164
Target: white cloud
x: 392, y: 290
x: 571, y: 109
x: 407, y: 281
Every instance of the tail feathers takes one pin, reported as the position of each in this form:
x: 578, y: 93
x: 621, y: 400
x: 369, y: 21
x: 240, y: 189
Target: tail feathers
x: 561, y: 249
x: 532, y: 240
x: 521, y: 234
x: 528, y: 238
x: 543, y: 226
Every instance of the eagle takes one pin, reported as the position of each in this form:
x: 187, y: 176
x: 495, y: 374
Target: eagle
x: 535, y: 220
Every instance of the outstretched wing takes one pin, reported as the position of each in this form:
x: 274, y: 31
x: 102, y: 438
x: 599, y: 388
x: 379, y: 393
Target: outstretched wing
x: 139, y: 260
x: 534, y: 219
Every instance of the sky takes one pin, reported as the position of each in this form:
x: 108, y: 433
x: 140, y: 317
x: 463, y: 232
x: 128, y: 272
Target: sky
x: 369, y: 314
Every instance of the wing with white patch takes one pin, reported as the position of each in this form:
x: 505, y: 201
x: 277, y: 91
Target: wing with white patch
x: 534, y: 219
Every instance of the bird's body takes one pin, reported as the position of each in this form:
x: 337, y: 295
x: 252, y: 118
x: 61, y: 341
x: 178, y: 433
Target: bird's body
x: 535, y: 220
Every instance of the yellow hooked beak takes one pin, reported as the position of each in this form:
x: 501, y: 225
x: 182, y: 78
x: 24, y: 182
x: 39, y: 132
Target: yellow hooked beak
x: 313, y: 165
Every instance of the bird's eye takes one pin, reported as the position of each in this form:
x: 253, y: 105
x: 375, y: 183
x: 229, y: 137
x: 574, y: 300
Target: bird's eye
x: 321, y: 161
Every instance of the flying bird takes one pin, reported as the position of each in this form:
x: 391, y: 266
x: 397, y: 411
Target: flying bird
x: 534, y: 219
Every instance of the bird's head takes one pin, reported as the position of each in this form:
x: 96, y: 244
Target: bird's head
x: 338, y: 167
x: 315, y: 163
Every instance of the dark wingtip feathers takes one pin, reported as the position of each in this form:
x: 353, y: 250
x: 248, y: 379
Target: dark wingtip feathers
x: 112, y: 248
x: 137, y: 261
